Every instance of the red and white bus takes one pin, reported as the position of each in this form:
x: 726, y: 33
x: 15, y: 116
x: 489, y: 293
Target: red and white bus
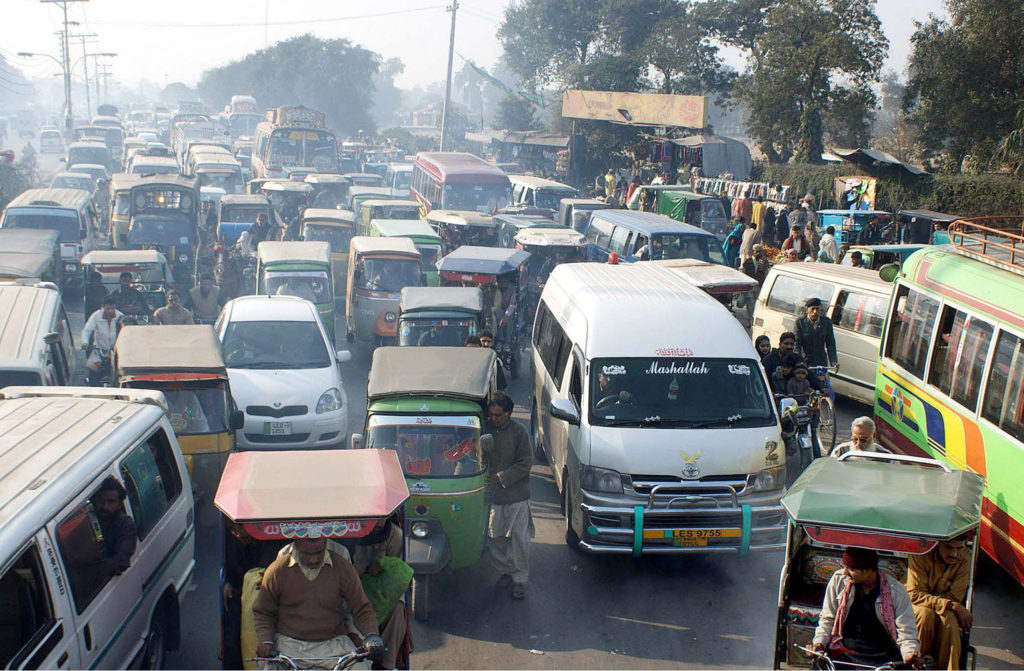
x: 452, y: 180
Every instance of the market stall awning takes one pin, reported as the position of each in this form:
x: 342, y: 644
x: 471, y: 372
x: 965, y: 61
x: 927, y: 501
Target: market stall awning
x: 862, y: 156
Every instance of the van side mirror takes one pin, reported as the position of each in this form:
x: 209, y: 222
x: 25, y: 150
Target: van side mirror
x: 889, y: 272
x: 51, y: 338
x: 487, y: 443
x: 356, y: 441
x: 236, y: 420
x: 564, y: 409
x: 344, y: 356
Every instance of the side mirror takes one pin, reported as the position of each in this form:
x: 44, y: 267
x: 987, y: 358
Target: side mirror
x: 487, y: 442
x: 236, y: 420
x: 564, y: 409
x: 344, y: 356
x: 356, y: 441
x: 51, y: 338
x: 889, y: 272
x: 788, y: 411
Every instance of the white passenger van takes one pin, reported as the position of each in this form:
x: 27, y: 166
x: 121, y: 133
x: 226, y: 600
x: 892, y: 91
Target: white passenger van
x: 650, y: 404
x: 855, y: 299
x: 61, y: 607
x: 36, y: 343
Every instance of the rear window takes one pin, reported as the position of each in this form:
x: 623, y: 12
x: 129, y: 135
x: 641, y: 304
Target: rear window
x: 600, y: 232
x: 789, y: 294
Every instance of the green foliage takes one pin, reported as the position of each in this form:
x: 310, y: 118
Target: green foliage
x: 14, y: 178
x: 966, y: 80
x: 514, y: 113
x: 333, y: 76
x: 409, y: 142
x: 967, y: 195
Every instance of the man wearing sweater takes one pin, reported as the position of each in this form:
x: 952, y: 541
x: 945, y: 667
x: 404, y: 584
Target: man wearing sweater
x: 304, y: 603
x: 509, y: 526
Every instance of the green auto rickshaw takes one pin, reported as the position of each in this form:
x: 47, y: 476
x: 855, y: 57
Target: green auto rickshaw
x: 300, y: 269
x: 428, y: 404
x: 439, y: 316
x: 423, y: 236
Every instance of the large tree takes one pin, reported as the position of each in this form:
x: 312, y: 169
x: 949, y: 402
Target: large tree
x: 333, y: 76
x: 967, y: 80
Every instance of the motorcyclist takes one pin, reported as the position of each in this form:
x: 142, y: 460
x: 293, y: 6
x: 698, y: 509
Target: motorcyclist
x: 99, y: 334
x: 129, y: 299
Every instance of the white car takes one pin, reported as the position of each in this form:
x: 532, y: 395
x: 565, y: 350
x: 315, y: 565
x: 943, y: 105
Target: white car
x: 285, y: 376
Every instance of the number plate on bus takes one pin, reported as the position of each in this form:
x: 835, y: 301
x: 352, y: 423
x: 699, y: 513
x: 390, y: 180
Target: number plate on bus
x: 277, y: 428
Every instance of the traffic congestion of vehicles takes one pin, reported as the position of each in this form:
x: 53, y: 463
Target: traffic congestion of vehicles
x: 209, y: 387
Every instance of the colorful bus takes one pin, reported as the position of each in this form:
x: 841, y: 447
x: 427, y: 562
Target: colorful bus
x: 293, y: 137
x: 454, y: 180
x: 950, y: 380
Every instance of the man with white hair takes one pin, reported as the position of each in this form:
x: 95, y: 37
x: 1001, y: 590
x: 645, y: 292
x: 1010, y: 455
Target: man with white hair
x: 862, y: 438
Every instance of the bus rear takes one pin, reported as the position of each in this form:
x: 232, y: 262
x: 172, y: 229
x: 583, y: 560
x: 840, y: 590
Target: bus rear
x: 459, y: 181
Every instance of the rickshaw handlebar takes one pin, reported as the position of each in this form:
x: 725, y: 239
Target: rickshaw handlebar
x: 339, y: 663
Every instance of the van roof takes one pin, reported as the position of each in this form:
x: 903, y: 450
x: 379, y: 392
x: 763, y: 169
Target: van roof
x: 862, y: 278
x: 26, y: 319
x: 648, y: 222
x: 51, y: 198
x: 614, y: 299
x: 54, y: 440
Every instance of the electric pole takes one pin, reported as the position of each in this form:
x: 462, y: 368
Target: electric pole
x: 448, y: 82
x: 66, y: 49
x: 85, y: 65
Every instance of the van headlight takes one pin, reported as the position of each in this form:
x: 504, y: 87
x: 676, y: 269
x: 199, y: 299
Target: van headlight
x: 601, y: 480
x: 767, y: 480
x: 329, y: 401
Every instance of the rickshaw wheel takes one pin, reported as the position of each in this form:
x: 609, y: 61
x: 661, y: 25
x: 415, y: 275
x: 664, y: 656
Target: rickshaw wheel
x: 421, y: 597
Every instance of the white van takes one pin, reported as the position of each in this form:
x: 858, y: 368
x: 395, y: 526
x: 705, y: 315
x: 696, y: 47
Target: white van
x: 855, y: 299
x: 36, y: 343
x: 62, y: 608
x: 657, y: 420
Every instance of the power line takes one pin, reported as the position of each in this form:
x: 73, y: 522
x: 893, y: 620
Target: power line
x: 260, y: 24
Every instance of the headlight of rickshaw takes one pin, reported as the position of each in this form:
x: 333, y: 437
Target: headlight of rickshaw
x: 767, y: 480
x: 420, y: 529
x: 601, y: 480
x: 329, y: 401
x: 69, y: 267
x: 389, y: 316
x: 182, y: 258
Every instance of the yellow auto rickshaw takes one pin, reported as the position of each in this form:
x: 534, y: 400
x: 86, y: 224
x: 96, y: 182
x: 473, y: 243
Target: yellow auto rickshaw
x: 378, y: 270
x: 336, y: 228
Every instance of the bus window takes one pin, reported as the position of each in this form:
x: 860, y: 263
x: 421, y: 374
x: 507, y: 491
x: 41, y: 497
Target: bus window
x: 910, y: 331
x: 959, y: 356
x: 1004, y: 395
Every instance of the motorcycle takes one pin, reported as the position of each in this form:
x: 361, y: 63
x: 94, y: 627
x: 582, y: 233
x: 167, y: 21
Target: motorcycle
x: 97, y: 362
x: 798, y: 428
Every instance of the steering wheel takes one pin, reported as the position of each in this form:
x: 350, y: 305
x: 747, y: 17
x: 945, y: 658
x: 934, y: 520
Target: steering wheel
x: 615, y: 399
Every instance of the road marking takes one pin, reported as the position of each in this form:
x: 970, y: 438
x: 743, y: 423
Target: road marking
x: 674, y: 627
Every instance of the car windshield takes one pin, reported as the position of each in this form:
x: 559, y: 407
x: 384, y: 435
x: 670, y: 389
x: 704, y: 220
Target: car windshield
x: 431, y: 332
x: 552, y: 198
x: 679, y: 392
x: 479, y: 197
x: 69, y: 182
x: 97, y: 154
x: 391, y: 275
x: 402, y: 180
x: 428, y: 447
x: 312, y: 286
x: 64, y: 222
x: 196, y: 411
x: 231, y: 182
x: 275, y: 345
x: 337, y: 236
x: 241, y: 215
x: 683, y: 246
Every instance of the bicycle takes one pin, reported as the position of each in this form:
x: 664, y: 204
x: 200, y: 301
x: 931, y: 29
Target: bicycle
x: 340, y: 662
x: 825, y: 407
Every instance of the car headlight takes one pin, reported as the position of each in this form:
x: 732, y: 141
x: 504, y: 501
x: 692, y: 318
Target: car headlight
x: 420, y: 529
x: 601, y: 480
x: 389, y: 316
x: 329, y: 401
x: 767, y: 480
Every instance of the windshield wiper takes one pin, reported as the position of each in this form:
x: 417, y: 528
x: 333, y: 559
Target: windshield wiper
x: 256, y: 365
x: 721, y: 421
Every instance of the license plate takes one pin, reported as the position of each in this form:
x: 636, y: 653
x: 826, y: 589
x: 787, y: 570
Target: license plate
x: 277, y: 428
x: 690, y: 538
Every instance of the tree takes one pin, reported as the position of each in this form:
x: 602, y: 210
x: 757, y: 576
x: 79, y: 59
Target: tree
x: 966, y: 79
x: 892, y: 130
x: 333, y: 76
x: 387, y: 98
x: 515, y: 113
x: 1010, y: 151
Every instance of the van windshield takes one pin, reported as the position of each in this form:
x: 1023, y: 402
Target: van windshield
x: 679, y: 392
x: 65, y: 222
x: 551, y: 198
x: 682, y: 246
x: 275, y: 345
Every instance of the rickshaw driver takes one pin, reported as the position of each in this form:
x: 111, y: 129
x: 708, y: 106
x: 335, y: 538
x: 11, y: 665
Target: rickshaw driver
x: 937, y: 583
x: 866, y: 617
x: 128, y: 298
x: 305, y: 601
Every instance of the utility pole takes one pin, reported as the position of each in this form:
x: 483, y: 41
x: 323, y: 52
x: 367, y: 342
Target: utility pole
x: 448, y: 82
x: 66, y: 49
x: 85, y: 65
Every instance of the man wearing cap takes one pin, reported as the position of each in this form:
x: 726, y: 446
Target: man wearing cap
x: 866, y: 617
x: 815, y: 340
x: 937, y: 583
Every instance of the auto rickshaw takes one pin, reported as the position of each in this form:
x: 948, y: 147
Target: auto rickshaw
x: 185, y: 363
x: 848, y: 223
x: 464, y: 227
x: 342, y: 495
x: 329, y: 189
x: 509, y: 225
x: 893, y: 504
x: 378, y: 270
x: 503, y: 277
x: 151, y: 275
x: 427, y: 405
x: 439, y: 315
x: 33, y: 241
x: 358, y: 194
x: 238, y: 213
x: 385, y: 208
x: 300, y: 269
x: 286, y: 196
x: 336, y: 228
x: 876, y: 256
x: 734, y: 289
x: 363, y: 179
x: 573, y: 212
x: 120, y: 206
x: 422, y: 235
x: 548, y: 247
x: 23, y: 266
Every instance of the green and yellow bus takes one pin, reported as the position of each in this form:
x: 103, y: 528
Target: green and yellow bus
x: 950, y: 380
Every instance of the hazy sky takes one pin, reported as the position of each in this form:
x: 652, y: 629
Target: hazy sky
x: 175, y: 40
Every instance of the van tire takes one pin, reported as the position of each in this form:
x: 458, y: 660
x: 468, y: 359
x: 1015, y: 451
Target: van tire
x: 155, y: 651
x: 572, y: 539
x: 538, y: 443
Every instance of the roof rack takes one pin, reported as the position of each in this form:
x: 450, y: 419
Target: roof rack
x: 998, y: 241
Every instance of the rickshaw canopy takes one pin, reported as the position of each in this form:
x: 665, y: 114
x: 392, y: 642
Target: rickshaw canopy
x: 467, y: 299
x: 243, y: 200
x: 408, y: 228
x: 29, y: 240
x: 323, y: 214
x: 713, y: 278
x: 556, y: 236
x: 295, y: 494
x: 461, y: 218
x: 362, y: 244
x: 878, y: 497
x: 325, y: 178
x: 141, y: 350
x: 482, y: 260
x: 123, y: 256
x: 522, y: 221
x: 459, y: 372
x: 24, y: 265
x: 374, y: 192
x: 286, y: 186
x: 391, y: 202
x: 275, y: 251
x: 364, y: 179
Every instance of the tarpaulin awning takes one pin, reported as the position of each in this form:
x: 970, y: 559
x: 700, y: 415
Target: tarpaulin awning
x: 872, y: 156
